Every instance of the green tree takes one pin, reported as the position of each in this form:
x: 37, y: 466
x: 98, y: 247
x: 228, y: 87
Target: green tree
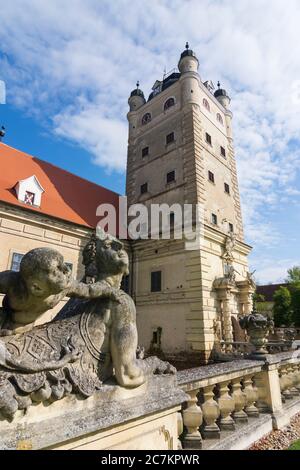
x: 293, y: 275
x: 258, y: 301
x: 295, y: 303
x: 282, y: 307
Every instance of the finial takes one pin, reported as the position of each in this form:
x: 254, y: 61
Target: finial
x: 137, y: 84
x: 187, y: 45
x: 219, y: 84
x: 2, y: 132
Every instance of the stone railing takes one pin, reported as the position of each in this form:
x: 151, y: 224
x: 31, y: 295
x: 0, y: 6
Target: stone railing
x: 243, y: 349
x: 235, y: 348
x: 228, y: 396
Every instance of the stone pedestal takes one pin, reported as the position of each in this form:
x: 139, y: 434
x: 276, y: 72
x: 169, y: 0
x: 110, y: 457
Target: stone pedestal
x: 113, y: 418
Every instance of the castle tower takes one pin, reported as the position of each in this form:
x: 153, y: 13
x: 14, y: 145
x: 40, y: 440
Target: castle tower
x: 180, y: 150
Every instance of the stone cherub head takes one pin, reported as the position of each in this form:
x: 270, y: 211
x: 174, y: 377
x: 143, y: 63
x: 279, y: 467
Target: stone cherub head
x: 43, y: 280
x: 104, y: 255
x: 44, y: 272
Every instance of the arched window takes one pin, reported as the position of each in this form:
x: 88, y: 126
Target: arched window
x: 169, y: 103
x: 146, y: 118
x: 219, y: 118
x: 206, y: 104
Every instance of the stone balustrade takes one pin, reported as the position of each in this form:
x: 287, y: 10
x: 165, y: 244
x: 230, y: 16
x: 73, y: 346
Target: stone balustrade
x: 225, y: 397
x: 243, y: 349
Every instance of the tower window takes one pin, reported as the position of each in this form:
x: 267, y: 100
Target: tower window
x: 169, y: 103
x: 146, y: 118
x: 16, y: 261
x: 145, y: 152
x: 170, y: 138
x: 206, y: 104
x: 226, y: 188
x: 144, y: 188
x: 220, y: 119
x: 231, y: 228
x: 29, y: 198
x: 125, y: 284
x: 171, y: 176
x: 70, y: 266
x: 214, y: 219
x: 223, y: 152
x: 208, y: 138
x: 156, y: 281
x: 172, y: 219
x: 211, y: 177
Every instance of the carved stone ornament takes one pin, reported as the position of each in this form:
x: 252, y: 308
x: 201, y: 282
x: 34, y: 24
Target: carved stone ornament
x: 230, y: 243
x: 93, y: 339
x: 258, y: 328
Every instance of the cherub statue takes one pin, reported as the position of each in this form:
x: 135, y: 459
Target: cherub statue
x: 231, y: 273
x: 230, y: 243
x: 93, y: 339
x: 43, y: 281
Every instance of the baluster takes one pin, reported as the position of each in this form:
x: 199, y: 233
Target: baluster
x: 285, y: 384
x: 192, y: 420
x: 179, y: 430
x: 291, y: 371
x: 262, y: 393
x: 281, y: 383
x: 211, y: 412
x: 226, y: 405
x: 297, y: 368
x: 251, y: 397
x: 239, y: 398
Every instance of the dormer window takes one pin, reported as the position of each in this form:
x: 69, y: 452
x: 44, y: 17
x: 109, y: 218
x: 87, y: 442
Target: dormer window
x: 29, y: 198
x: 29, y: 191
x: 169, y: 103
x: 146, y: 118
x: 206, y: 104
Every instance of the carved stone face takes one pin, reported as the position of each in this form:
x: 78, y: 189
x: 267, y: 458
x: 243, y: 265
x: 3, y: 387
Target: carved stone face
x: 111, y: 258
x: 48, y: 275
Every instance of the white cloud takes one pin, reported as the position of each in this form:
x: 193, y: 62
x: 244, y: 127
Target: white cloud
x: 75, y: 62
x: 103, y: 137
x: 273, y: 271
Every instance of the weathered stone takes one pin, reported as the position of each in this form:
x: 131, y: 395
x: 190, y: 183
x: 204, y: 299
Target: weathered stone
x: 90, y: 341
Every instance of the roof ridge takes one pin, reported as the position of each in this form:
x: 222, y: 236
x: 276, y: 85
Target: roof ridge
x: 59, y: 168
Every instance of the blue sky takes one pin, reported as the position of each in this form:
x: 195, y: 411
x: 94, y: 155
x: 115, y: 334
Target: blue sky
x: 69, y: 66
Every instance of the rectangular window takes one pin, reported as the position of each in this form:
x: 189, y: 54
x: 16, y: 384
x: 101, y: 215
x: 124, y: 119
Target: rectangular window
x: 29, y: 198
x: 170, y: 138
x: 211, y: 177
x: 172, y: 219
x: 144, y: 188
x: 214, y: 219
x: 125, y: 284
x: 226, y: 188
x: 16, y: 261
x: 156, y: 281
x: 231, y: 228
x: 171, y: 176
x: 208, y: 138
x: 145, y: 152
x: 70, y: 266
x: 223, y: 152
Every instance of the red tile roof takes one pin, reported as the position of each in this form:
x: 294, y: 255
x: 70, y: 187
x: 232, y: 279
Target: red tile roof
x: 67, y: 196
